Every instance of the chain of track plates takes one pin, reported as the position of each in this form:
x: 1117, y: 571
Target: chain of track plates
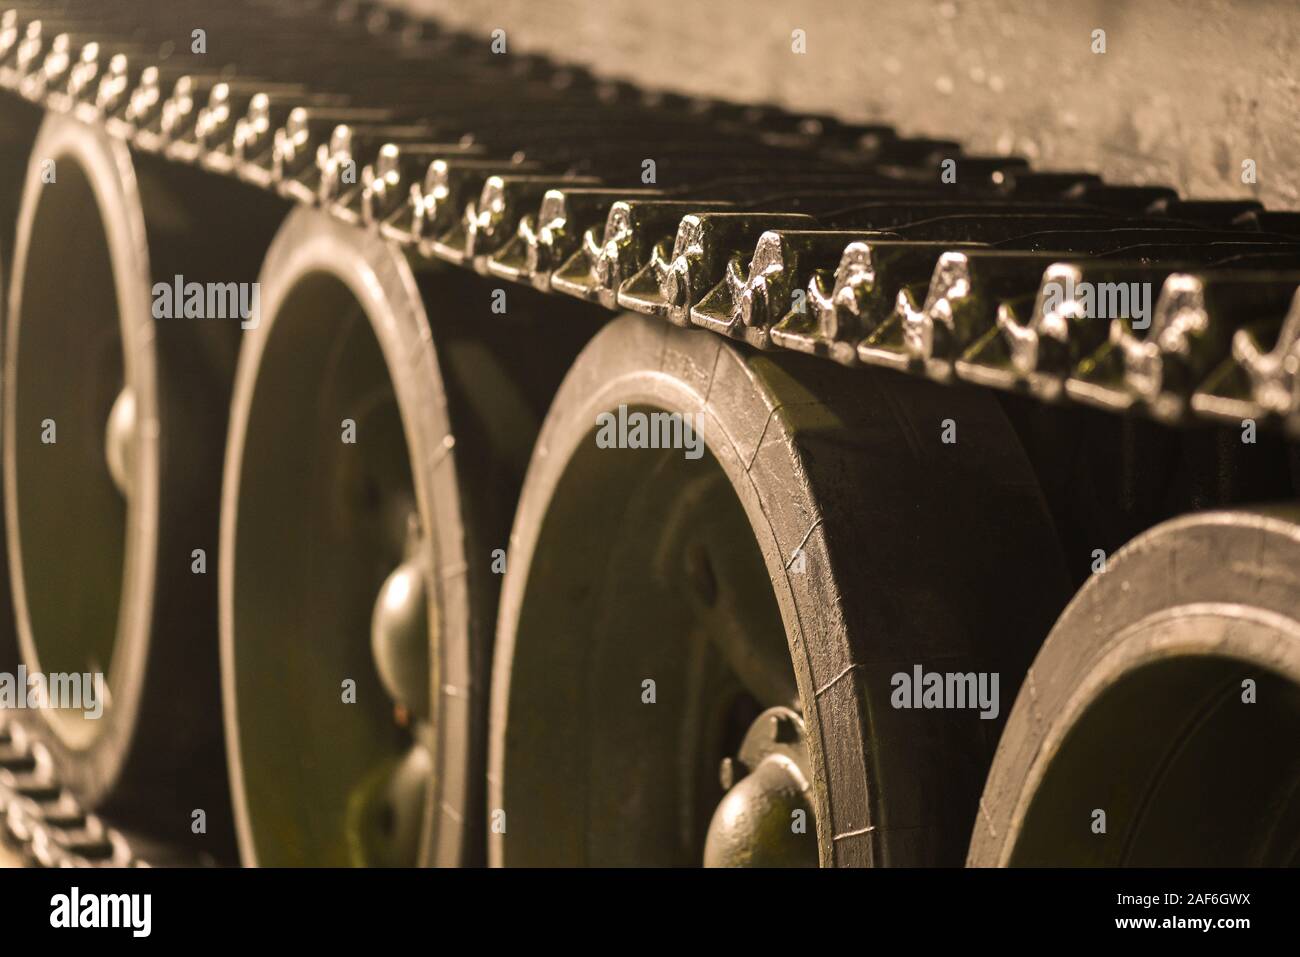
x: 784, y: 231
x: 41, y: 823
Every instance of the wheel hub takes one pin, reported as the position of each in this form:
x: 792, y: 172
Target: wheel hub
x: 766, y: 817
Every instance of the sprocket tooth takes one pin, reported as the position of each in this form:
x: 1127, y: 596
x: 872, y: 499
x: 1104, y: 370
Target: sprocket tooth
x: 392, y: 178
x: 613, y: 254
x: 47, y: 80
x: 547, y: 241
x: 1069, y: 319
x: 704, y: 243
x: 1191, y: 334
x: 28, y: 54
x: 340, y: 163
x: 1273, y: 374
x: 296, y: 153
x: 959, y: 305
x: 489, y: 222
x: 760, y: 292
x: 439, y: 199
x: 218, y: 123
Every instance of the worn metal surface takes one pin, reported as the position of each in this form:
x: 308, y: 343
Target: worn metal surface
x: 1167, y: 697
x: 1183, y: 94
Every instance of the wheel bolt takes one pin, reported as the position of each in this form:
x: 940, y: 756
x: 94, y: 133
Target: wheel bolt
x: 399, y: 638
x: 119, y: 439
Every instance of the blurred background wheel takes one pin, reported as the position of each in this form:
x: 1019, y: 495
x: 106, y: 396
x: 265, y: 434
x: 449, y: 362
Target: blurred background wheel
x: 18, y: 124
x: 377, y: 441
x: 1182, y: 656
x: 113, y: 430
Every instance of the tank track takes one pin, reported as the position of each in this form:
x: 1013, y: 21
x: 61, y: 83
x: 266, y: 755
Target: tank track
x: 782, y: 230
x: 42, y: 824
x: 786, y: 232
